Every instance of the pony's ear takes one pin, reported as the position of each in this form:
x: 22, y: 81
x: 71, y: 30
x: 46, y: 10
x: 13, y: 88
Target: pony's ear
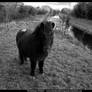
x: 53, y: 24
x: 42, y: 25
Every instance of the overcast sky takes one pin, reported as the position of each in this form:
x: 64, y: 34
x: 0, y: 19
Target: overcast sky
x: 54, y: 5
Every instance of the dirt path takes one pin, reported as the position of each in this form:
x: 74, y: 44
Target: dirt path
x: 67, y: 66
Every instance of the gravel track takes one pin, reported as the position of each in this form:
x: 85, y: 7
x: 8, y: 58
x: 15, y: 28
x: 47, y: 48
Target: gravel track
x: 68, y: 66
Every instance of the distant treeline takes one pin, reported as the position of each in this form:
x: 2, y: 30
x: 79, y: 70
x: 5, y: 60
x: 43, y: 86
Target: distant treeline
x: 83, y: 10
x: 8, y: 13
x: 13, y: 12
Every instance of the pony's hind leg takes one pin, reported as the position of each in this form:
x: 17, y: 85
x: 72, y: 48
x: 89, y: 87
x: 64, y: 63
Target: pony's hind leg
x: 21, y: 57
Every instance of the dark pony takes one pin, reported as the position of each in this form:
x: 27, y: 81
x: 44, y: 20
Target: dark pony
x: 35, y: 45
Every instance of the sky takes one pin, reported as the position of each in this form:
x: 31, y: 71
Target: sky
x: 54, y: 5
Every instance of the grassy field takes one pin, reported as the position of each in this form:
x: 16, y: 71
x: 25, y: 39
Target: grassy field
x: 68, y: 66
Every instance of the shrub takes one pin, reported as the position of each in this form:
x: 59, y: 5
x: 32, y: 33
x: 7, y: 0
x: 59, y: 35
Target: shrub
x: 41, y: 12
x: 82, y: 10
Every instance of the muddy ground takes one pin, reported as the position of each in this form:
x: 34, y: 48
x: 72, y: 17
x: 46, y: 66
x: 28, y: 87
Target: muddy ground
x: 68, y: 66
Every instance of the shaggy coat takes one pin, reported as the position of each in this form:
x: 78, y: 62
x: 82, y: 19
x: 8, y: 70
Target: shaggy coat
x: 35, y: 45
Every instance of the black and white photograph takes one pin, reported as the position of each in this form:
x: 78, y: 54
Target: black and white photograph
x: 46, y: 46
